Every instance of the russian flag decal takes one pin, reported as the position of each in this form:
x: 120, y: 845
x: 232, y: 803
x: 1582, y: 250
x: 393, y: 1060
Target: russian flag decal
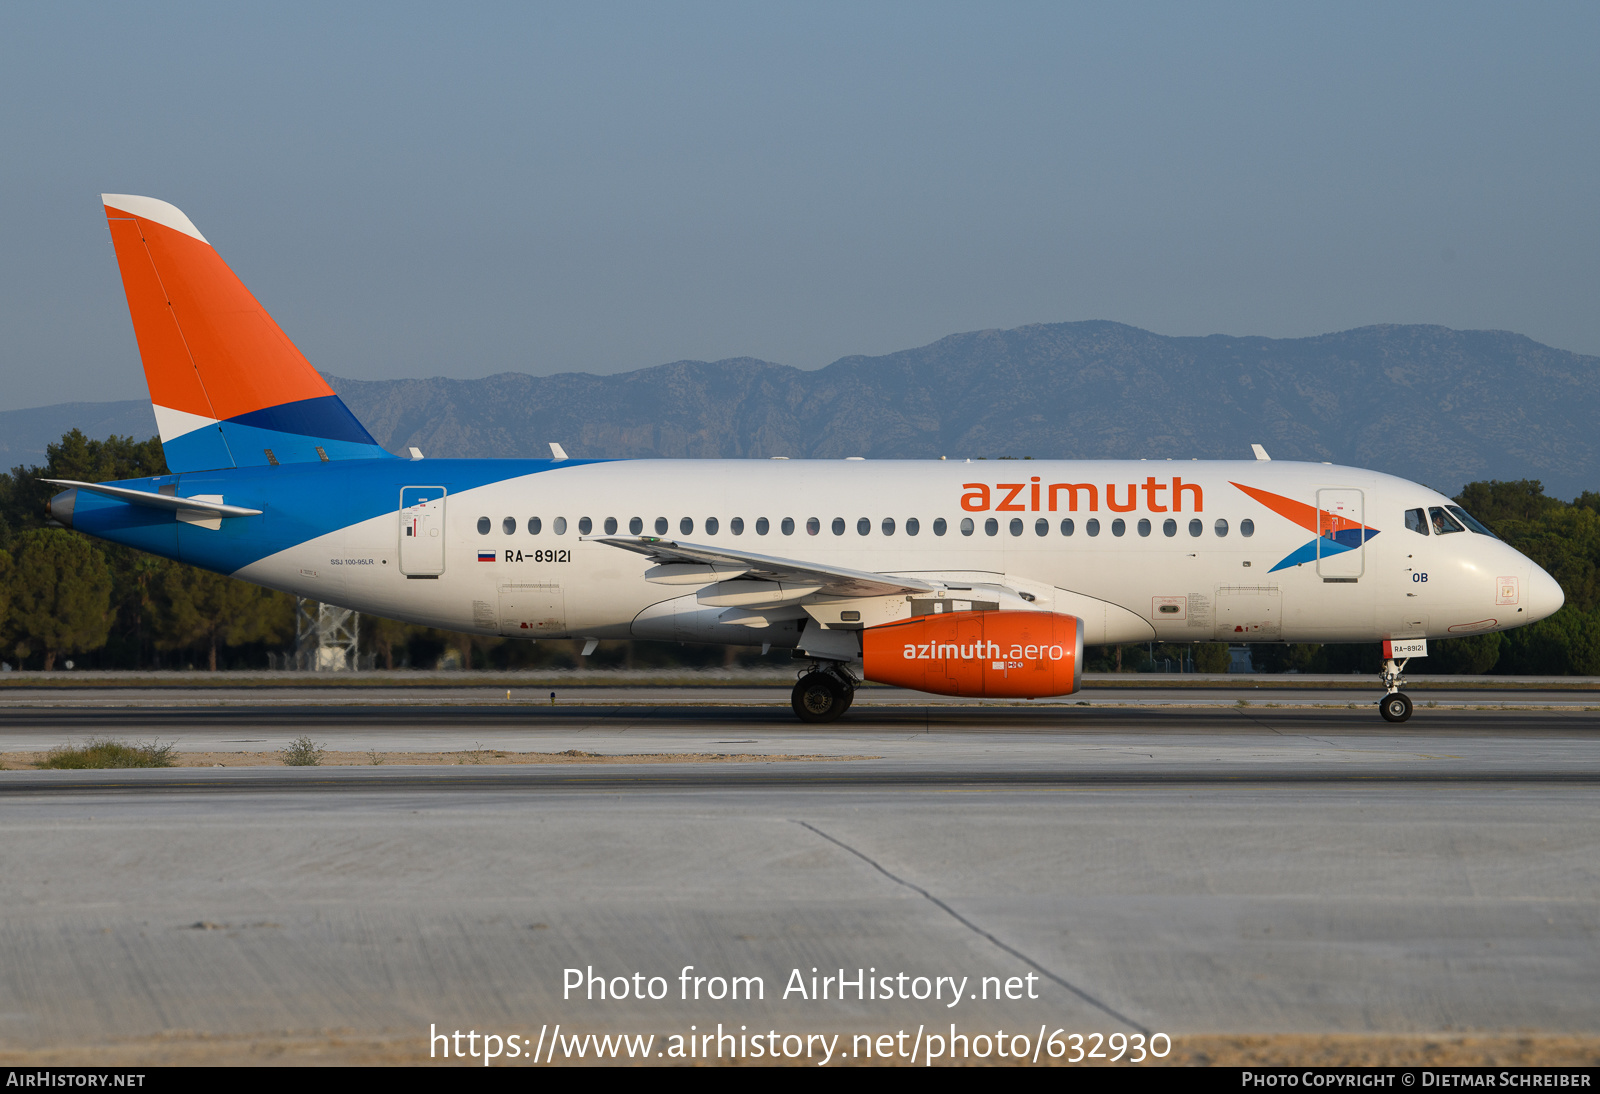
x: 485, y: 556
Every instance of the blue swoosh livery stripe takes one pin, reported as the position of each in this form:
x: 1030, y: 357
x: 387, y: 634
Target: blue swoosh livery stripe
x: 299, y: 502
x: 1347, y: 540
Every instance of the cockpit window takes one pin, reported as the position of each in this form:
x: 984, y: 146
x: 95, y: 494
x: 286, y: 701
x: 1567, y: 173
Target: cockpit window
x: 1443, y: 523
x: 1417, y: 520
x: 1471, y: 522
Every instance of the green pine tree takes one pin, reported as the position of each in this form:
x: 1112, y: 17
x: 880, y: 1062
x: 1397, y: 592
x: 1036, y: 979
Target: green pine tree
x: 61, y: 594
x: 200, y: 608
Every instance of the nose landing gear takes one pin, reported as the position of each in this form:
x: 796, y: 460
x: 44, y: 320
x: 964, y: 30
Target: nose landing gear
x: 1395, y: 706
x: 823, y: 694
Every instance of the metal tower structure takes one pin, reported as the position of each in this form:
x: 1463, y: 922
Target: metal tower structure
x: 325, y: 637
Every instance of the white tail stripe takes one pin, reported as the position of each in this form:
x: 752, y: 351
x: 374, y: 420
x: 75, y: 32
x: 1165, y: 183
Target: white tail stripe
x: 177, y: 423
x: 154, y: 209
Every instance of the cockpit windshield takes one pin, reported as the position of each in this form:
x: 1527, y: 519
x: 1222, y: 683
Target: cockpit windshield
x: 1443, y: 523
x: 1476, y: 525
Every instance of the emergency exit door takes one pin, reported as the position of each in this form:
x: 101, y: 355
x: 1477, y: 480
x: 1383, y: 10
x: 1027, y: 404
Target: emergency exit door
x: 1341, y: 534
x: 422, y: 531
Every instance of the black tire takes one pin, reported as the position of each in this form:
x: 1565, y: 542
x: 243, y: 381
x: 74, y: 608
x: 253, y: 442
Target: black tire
x: 849, y: 697
x: 819, y: 697
x: 1395, y: 707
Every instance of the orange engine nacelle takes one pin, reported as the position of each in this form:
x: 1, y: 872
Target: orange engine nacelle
x: 1013, y: 655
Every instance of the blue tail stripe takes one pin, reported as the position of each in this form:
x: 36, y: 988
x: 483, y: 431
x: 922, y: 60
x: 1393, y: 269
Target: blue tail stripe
x: 326, y: 418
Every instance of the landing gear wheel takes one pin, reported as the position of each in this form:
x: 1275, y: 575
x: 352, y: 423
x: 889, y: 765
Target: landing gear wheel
x: 820, y: 697
x: 1395, y: 707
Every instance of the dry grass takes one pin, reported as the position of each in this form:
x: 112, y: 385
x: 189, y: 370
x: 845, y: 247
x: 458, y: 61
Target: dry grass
x: 106, y: 753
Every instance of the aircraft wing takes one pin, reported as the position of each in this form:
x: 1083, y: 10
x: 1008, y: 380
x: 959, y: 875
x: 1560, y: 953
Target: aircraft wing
x: 723, y: 563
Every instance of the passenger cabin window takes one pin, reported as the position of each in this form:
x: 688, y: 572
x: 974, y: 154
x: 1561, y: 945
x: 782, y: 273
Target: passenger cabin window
x: 611, y: 526
x: 509, y: 526
x: 736, y: 526
x: 1144, y: 527
x: 813, y: 526
x: 763, y: 526
x: 1169, y: 528
x: 661, y: 526
x: 1041, y: 527
x: 535, y: 526
x: 838, y: 526
x: 559, y: 526
x: 991, y: 527
x: 1221, y: 528
x: 686, y: 526
x: 635, y: 525
x: 913, y: 526
x: 1443, y: 523
x: 483, y: 526
x: 1417, y: 521
x: 1016, y: 526
x: 939, y: 526
x: 1067, y: 527
x: 967, y: 526
x: 863, y: 527
x: 712, y: 524
x: 585, y: 526
x: 1247, y: 527
x: 1119, y: 526
x: 1092, y: 526
x: 787, y: 527
x: 1196, y: 527
x: 888, y: 526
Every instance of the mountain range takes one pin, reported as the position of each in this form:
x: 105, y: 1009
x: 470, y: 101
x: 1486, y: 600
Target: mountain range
x: 1428, y: 403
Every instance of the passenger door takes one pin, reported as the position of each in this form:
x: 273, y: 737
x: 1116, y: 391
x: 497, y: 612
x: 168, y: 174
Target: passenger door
x: 1341, y: 534
x: 422, y: 538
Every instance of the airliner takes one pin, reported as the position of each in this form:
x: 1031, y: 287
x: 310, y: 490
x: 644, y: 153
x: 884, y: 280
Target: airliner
x: 954, y: 577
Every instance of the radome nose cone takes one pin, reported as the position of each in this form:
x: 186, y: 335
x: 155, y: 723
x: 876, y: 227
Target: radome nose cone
x: 1544, y: 594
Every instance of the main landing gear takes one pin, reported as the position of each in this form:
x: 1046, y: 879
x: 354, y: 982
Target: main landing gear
x: 823, y: 693
x: 1395, y: 706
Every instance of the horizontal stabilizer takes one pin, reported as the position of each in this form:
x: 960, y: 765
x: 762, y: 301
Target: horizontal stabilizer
x: 159, y: 501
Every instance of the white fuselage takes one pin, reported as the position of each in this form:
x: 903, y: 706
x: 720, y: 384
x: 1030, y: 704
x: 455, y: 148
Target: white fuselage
x: 1180, y: 582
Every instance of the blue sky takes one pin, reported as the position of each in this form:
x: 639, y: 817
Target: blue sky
x: 460, y: 190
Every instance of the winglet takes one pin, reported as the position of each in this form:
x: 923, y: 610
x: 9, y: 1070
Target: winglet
x: 1261, y: 453
x: 557, y: 452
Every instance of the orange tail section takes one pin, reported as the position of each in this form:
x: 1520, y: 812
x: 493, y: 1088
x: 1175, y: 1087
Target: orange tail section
x: 228, y: 387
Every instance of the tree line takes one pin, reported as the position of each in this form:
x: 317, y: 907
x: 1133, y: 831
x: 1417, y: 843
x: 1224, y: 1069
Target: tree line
x: 66, y: 597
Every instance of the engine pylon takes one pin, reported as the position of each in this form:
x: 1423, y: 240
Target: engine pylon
x: 997, y: 654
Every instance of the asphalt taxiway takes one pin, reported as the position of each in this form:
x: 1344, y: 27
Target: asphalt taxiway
x: 1182, y: 869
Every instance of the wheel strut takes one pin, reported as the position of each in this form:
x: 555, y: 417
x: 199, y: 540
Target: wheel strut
x: 1395, y: 706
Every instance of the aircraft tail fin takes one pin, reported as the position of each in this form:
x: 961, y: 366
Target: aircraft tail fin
x: 228, y: 387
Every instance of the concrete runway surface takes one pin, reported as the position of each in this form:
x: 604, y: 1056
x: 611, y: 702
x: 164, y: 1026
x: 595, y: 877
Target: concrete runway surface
x: 1190, y: 871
